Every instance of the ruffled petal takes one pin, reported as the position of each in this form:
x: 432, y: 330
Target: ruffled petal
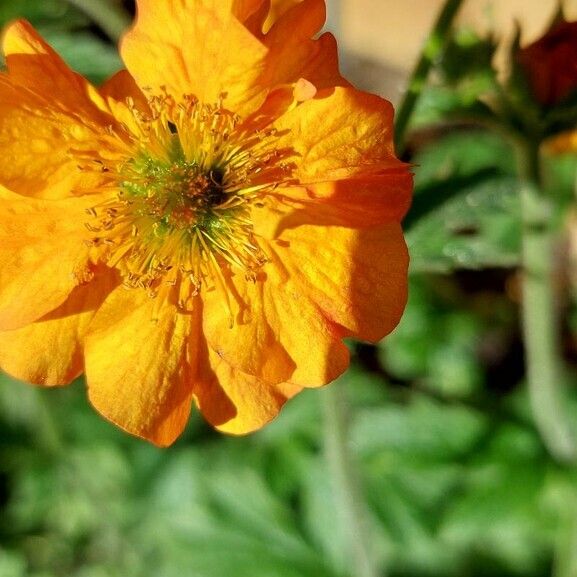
x: 198, y: 47
x: 277, y: 9
x: 235, y: 402
x: 361, y: 202
x: 43, y: 256
x: 357, y: 277
x: 138, y: 369
x: 33, y: 64
x: 339, y: 134
x: 45, y: 111
x: 276, y: 333
x: 122, y: 86
x: 49, y: 351
x: 252, y: 13
x: 295, y: 53
x: 208, y: 48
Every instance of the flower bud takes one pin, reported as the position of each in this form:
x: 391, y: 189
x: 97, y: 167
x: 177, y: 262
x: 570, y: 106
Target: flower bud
x: 550, y: 64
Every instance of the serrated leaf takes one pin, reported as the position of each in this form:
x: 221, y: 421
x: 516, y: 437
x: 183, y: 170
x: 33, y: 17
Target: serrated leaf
x: 498, y: 517
x: 478, y: 229
x: 424, y: 428
x: 441, y: 104
x: 225, y: 521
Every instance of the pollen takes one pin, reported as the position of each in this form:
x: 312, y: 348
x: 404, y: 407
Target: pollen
x: 183, y: 185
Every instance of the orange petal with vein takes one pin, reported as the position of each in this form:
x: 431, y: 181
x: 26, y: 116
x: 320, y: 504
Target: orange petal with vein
x: 45, y: 110
x: 235, y: 402
x: 357, y: 278
x: 197, y: 48
x: 279, y: 334
x: 49, y: 351
x: 339, y: 134
x: 294, y: 50
x: 42, y: 255
x: 137, y: 368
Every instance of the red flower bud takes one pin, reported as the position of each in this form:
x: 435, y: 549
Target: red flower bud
x: 550, y: 63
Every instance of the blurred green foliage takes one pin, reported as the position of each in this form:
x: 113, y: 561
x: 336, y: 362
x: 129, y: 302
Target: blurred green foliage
x: 458, y: 481
x: 70, y: 32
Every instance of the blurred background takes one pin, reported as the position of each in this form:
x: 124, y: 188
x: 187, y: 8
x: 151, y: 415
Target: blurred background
x: 457, y: 480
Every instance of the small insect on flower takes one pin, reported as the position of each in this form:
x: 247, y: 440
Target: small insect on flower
x: 207, y: 226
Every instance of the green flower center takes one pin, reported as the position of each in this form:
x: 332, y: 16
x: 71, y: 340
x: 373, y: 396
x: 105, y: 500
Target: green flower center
x: 177, y: 195
x: 184, y: 197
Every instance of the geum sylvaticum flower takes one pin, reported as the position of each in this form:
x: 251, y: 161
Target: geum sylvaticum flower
x: 204, y: 228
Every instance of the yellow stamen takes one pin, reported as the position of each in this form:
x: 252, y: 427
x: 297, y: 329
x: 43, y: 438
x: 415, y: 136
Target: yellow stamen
x: 186, y: 178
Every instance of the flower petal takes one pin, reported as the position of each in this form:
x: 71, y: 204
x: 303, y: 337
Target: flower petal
x: 358, y: 278
x: 123, y: 96
x: 277, y: 9
x: 122, y: 86
x: 278, y: 334
x: 238, y: 403
x: 34, y: 65
x: 49, y: 351
x: 360, y: 202
x: 339, y: 134
x: 138, y: 370
x: 208, y: 47
x: 45, y: 111
x: 42, y: 255
x: 252, y: 13
x: 35, y: 147
x: 294, y: 52
x: 198, y: 47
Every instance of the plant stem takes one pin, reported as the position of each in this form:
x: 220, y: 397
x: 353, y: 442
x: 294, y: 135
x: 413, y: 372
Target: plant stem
x: 544, y: 365
x: 565, y: 560
x: 45, y: 427
x: 348, y: 496
x: 108, y: 14
x: 431, y: 51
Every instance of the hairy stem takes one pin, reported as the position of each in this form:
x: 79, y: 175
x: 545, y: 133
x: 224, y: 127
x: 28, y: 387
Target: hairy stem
x: 544, y: 365
x: 431, y: 51
x: 565, y: 561
x: 46, y: 428
x: 348, y: 495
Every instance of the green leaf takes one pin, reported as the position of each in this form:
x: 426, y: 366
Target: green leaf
x: 466, y: 211
x: 480, y: 228
x: 224, y: 521
x: 467, y: 55
x: 454, y: 164
x: 86, y: 54
x: 424, y: 428
x: 12, y: 564
x: 46, y: 13
x: 441, y: 104
x: 499, y: 517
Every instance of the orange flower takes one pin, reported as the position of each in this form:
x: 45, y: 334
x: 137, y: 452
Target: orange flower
x: 277, y: 9
x: 206, y: 227
x: 563, y: 143
x: 550, y: 63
